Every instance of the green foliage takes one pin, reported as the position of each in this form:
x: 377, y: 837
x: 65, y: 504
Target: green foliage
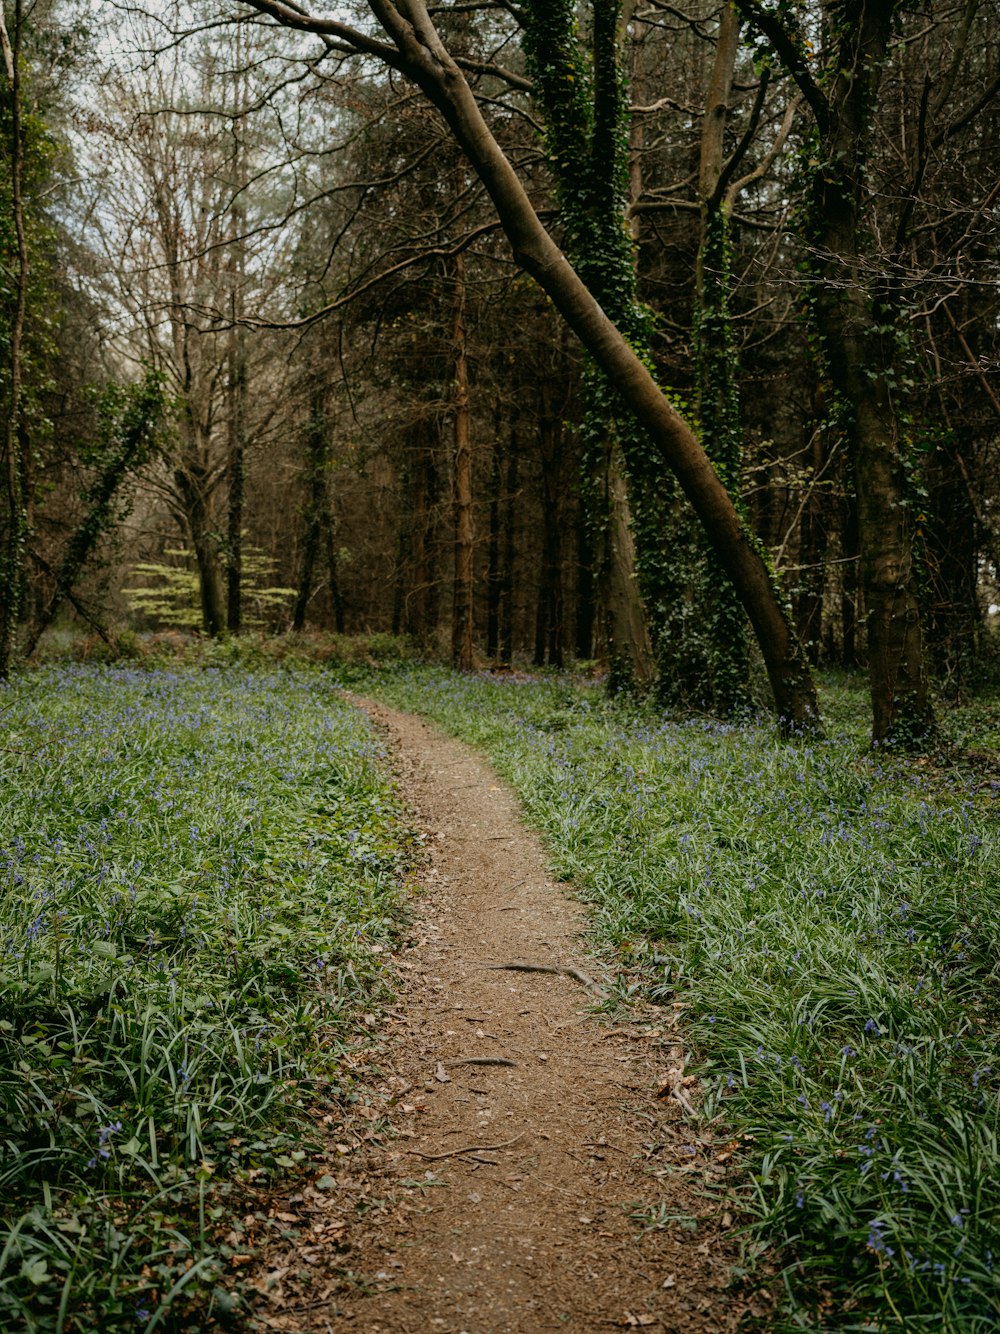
x: 829, y: 927
x: 202, y: 870
x: 172, y: 598
x: 129, y: 420
x: 697, y: 625
x: 39, y: 156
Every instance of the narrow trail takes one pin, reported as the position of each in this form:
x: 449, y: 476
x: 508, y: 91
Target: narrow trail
x: 527, y: 1129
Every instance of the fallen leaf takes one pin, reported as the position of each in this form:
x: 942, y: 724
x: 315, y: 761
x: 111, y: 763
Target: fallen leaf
x: 441, y: 1074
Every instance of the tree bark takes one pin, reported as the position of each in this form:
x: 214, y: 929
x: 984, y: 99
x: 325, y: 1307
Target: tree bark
x: 505, y: 628
x: 857, y: 328
x: 583, y: 620
x: 420, y: 55
x: 624, y: 628
x: 854, y: 315
x: 549, y: 610
x: 461, y: 616
x: 316, y: 454
x: 333, y: 567
x: 192, y: 487
x: 12, y: 555
x: 237, y: 479
x: 493, y: 574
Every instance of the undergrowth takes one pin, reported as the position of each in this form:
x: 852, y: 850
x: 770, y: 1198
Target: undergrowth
x: 829, y: 920
x: 201, y: 870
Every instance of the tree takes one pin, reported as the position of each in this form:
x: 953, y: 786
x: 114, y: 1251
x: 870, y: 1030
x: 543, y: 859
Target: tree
x: 15, y: 526
x: 854, y: 314
x: 415, y: 49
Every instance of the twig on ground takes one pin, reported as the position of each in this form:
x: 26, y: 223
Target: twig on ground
x: 481, y: 1060
x: 469, y: 1148
x: 561, y: 970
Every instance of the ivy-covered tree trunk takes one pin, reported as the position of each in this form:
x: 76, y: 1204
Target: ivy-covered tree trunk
x: 15, y: 525
x: 131, y: 419
x: 587, y: 148
x: 855, y: 317
x: 859, y: 339
x: 417, y: 51
x: 720, y: 629
x: 583, y: 619
x: 333, y: 567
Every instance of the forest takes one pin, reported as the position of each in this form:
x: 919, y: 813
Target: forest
x: 614, y: 383
x: 286, y: 349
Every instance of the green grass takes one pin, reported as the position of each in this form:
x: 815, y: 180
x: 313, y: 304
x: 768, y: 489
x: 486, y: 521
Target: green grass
x: 829, y: 921
x: 201, y: 870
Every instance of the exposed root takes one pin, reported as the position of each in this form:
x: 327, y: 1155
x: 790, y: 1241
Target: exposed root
x: 469, y: 1148
x: 561, y: 970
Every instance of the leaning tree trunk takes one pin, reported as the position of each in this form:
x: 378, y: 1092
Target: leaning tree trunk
x: 423, y: 58
x: 418, y: 52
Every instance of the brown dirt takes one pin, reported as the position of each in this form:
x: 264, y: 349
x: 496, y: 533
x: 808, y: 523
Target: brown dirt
x: 502, y: 1202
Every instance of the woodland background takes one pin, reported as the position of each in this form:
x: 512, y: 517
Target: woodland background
x: 267, y: 361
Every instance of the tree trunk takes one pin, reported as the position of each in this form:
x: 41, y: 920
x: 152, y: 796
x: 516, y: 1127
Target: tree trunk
x: 332, y: 567
x: 191, y: 482
x: 625, y: 631
x: 461, y: 618
x: 855, y: 317
x: 494, y: 577
x: 237, y: 475
x: 12, y: 553
x: 858, y: 331
x: 583, y: 621
x: 717, y: 622
x: 423, y: 600
x: 508, y: 552
x: 316, y: 454
x: 811, y: 579
x: 549, y: 611
x: 423, y: 58
x: 419, y: 54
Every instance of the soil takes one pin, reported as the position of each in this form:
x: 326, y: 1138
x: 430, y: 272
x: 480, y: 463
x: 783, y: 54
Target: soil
x: 534, y: 1140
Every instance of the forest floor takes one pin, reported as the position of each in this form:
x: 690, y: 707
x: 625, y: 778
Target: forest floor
x: 515, y: 1192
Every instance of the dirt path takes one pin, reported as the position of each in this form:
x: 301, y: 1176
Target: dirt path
x: 527, y: 1129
